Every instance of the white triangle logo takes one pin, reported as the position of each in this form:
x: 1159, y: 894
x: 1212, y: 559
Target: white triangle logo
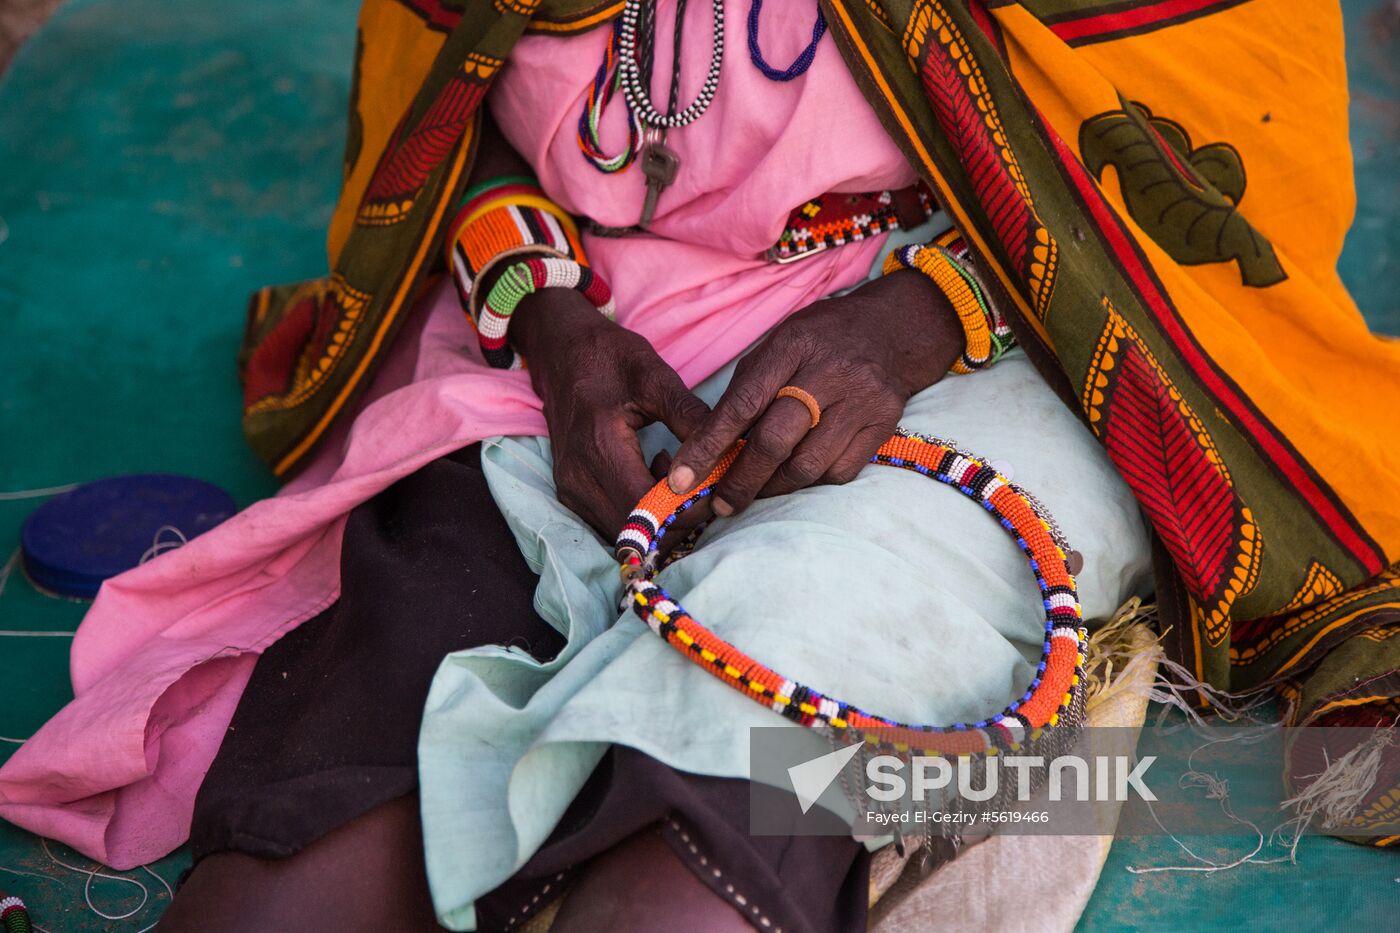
x: 811, y: 778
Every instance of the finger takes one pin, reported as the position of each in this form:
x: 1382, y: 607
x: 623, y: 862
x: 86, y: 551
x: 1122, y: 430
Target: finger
x: 848, y: 464
x: 750, y: 393
x: 671, y: 403
x: 814, y: 456
x: 769, y: 445
x: 661, y: 465
x: 617, y: 478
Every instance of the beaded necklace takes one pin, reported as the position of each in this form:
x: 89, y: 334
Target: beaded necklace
x: 1056, y: 693
x: 600, y: 94
x: 639, y: 96
x: 800, y: 64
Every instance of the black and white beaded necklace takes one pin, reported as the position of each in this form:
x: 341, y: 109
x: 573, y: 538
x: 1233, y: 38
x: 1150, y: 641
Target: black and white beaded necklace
x: 660, y: 163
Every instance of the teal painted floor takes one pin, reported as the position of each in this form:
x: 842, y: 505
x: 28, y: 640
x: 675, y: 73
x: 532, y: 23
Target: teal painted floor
x: 160, y: 159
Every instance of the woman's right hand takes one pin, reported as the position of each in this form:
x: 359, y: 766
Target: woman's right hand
x: 600, y: 384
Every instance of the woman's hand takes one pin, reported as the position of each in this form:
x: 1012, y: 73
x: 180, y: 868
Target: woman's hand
x: 600, y: 384
x: 861, y: 356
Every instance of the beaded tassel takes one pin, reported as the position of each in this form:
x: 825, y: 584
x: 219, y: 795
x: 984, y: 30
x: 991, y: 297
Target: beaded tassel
x: 1053, y: 698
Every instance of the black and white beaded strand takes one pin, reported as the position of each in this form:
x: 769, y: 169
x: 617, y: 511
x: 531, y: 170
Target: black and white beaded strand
x: 639, y: 97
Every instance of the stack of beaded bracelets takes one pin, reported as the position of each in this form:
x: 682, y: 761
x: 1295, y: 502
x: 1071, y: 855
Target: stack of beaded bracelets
x: 1056, y: 693
x: 987, y: 333
x: 522, y: 279
x: 503, y: 220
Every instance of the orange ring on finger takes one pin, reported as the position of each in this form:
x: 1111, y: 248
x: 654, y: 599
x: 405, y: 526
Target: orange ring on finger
x: 805, y: 397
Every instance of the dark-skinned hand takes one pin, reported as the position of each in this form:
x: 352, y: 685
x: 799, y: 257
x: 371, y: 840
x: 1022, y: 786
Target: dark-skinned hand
x: 600, y: 384
x: 861, y: 355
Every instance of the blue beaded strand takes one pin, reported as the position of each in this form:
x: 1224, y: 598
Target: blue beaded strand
x: 800, y: 64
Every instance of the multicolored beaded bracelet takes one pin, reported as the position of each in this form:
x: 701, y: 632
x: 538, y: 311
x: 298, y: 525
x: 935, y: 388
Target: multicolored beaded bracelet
x: 504, y: 219
x: 1055, y: 696
x: 522, y: 279
x: 14, y: 918
x: 987, y: 334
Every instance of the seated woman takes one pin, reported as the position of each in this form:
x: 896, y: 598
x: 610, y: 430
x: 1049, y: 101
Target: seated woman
x: 735, y: 219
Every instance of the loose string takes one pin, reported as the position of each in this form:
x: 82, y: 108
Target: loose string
x: 37, y: 493
x: 92, y: 873
x: 800, y: 64
x: 160, y: 546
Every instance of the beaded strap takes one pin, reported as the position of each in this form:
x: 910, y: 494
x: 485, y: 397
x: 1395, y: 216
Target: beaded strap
x: 522, y: 279
x: 1055, y: 695
x: 502, y: 220
x: 837, y: 219
x: 987, y: 334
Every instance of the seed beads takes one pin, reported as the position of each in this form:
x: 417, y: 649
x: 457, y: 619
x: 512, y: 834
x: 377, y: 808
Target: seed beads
x: 525, y: 278
x: 1054, y: 697
x: 600, y: 93
x: 800, y: 64
x: 14, y: 917
x: 639, y: 97
x: 987, y: 335
x: 501, y: 220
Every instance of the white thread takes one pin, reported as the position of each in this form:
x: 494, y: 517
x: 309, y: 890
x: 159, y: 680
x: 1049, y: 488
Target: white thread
x: 92, y: 873
x: 7, y: 569
x: 6, y: 738
x: 36, y: 493
x: 159, y: 547
x: 735, y: 896
x: 1215, y: 789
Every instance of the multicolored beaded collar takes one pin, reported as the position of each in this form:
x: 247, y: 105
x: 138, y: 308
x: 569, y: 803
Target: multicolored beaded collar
x: 1055, y: 695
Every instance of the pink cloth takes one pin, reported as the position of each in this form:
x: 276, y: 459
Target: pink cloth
x: 163, y: 655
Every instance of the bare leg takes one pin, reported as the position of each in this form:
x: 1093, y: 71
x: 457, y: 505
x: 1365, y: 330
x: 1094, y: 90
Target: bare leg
x: 366, y: 875
x: 640, y: 886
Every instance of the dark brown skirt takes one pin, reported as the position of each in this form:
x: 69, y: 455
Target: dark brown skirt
x: 328, y: 726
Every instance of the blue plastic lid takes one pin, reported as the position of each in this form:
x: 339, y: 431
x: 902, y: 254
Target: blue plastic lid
x: 75, y: 541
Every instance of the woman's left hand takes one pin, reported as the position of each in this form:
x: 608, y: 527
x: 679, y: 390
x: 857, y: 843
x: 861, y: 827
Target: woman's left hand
x: 861, y: 356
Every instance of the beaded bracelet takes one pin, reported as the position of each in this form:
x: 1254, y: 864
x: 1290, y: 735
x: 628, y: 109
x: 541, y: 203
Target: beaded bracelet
x: 1056, y: 693
x: 501, y: 220
x: 14, y: 917
x: 522, y: 279
x: 987, y: 334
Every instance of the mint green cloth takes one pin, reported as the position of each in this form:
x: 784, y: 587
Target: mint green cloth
x: 893, y: 592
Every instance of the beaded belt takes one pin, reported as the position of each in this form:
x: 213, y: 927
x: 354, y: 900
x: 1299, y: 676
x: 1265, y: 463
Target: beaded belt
x: 838, y: 219
x: 1056, y: 693
x: 830, y: 220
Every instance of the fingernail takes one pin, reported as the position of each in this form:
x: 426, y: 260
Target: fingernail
x: 681, y: 479
x: 723, y: 509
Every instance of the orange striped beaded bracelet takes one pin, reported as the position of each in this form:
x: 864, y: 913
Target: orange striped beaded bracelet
x: 506, y: 219
x: 1055, y: 696
x: 987, y: 334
